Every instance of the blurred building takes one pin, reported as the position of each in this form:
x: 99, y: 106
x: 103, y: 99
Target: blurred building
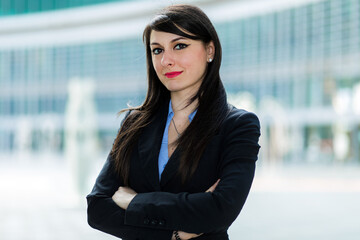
x: 295, y: 63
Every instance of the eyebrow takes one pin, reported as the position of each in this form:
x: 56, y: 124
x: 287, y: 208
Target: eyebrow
x: 174, y: 40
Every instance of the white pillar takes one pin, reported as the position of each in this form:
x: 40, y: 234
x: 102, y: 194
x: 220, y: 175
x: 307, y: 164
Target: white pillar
x: 81, y: 147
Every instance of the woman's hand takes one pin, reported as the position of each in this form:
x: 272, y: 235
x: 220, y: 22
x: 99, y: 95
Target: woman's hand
x: 212, y: 188
x: 185, y: 235
x: 123, y: 196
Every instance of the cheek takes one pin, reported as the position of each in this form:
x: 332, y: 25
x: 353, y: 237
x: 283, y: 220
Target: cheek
x: 157, y: 65
x: 196, y: 62
x: 194, y: 59
x: 158, y: 69
x: 197, y: 57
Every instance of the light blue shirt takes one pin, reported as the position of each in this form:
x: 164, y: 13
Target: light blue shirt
x: 164, y: 154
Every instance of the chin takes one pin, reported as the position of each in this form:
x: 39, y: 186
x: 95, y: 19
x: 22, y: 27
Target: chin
x: 173, y: 88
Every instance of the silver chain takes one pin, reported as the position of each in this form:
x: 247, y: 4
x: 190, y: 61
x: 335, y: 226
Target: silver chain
x: 172, y: 119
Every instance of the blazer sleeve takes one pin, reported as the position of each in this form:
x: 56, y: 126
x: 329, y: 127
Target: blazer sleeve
x: 208, y: 212
x: 106, y: 216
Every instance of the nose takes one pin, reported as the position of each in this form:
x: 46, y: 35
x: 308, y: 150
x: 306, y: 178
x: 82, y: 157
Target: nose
x: 167, y: 59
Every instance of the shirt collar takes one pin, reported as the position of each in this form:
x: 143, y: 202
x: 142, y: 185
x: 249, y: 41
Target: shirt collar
x: 191, y: 115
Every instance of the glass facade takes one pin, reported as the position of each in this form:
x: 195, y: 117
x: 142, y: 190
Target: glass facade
x: 34, y: 81
x: 296, y: 63
x: 293, y: 50
x: 13, y: 7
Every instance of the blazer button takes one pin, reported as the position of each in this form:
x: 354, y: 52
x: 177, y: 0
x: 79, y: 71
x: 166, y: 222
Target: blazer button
x: 154, y: 222
x: 162, y: 223
x: 146, y: 221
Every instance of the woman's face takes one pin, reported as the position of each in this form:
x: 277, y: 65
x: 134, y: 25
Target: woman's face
x: 179, y: 62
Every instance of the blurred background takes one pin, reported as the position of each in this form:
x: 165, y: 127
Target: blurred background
x: 68, y: 66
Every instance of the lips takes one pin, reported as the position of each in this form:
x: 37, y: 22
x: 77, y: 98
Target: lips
x: 172, y: 74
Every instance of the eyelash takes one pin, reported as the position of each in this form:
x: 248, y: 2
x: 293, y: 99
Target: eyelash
x: 181, y: 45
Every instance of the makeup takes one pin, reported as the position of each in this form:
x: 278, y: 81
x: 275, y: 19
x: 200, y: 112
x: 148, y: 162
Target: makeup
x: 172, y: 74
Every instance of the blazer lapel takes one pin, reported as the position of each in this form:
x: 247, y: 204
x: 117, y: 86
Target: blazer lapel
x: 170, y: 168
x: 149, y: 144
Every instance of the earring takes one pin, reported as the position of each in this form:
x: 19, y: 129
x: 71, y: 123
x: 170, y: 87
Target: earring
x: 210, y: 59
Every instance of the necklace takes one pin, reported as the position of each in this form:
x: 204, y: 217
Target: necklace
x: 172, y: 119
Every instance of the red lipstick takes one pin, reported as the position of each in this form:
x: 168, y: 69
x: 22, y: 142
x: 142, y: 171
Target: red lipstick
x: 172, y: 74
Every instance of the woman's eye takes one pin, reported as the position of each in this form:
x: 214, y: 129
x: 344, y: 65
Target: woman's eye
x: 180, y: 46
x: 156, y: 51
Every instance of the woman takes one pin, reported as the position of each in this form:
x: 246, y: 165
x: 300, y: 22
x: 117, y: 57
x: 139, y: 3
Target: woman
x: 183, y: 162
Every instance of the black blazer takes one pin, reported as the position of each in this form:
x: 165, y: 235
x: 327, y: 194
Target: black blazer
x: 161, y: 207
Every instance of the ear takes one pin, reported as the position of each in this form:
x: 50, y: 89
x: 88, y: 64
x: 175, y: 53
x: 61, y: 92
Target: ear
x: 210, y: 51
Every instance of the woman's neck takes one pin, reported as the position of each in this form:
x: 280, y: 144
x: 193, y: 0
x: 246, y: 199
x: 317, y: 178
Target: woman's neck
x: 179, y: 104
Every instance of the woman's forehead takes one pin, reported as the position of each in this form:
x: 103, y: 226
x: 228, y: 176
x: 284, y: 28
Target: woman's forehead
x: 164, y: 37
x: 158, y: 35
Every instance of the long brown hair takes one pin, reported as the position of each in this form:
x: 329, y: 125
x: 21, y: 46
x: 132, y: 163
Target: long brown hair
x: 212, y: 104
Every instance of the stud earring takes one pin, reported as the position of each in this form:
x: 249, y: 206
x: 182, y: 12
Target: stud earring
x: 210, y: 59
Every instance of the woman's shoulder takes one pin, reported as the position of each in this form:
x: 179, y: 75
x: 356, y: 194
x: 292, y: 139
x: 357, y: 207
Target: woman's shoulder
x: 129, y: 115
x: 236, y: 114
x: 240, y: 117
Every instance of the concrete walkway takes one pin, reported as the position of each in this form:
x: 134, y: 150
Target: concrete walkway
x: 302, y: 203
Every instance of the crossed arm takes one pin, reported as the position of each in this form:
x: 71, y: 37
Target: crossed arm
x: 124, y: 195
x: 194, y: 213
